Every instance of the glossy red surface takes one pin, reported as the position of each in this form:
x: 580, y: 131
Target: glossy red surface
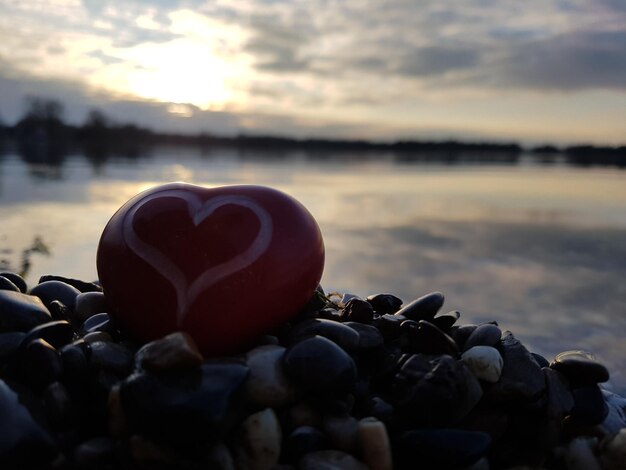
x: 225, y: 264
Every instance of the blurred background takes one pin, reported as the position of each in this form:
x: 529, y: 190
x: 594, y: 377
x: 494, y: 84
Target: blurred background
x: 473, y: 147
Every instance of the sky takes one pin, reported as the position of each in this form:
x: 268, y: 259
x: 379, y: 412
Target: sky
x: 541, y: 71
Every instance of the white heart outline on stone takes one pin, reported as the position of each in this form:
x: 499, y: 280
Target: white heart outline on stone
x: 198, y: 211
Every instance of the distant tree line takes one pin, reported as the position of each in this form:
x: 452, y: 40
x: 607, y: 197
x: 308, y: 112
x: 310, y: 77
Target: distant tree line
x: 42, y: 135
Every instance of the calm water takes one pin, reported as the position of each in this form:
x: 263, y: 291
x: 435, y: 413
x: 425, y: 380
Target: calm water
x: 539, y: 248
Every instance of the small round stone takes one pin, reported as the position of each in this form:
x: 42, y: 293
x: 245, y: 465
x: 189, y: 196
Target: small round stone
x: 486, y: 334
x: 370, y: 337
x: 56, y: 290
x: 98, y: 322
x: 320, y: 367
x: 16, y: 279
x: 357, y: 310
x: 173, y: 352
x: 580, y: 367
x: 21, y: 312
x: 40, y: 363
x: 590, y: 407
x: 112, y: 357
x: 374, y: 444
x: 343, y: 431
x: 304, y: 440
x: 267, y: 384
x: 445, y: 321
x: 89, y: 304
x: 485, y: 362
x: 384, y: 303
x: 57, y: 333
x: 259, y: 443
x: 344, y: 336
x: 96, y: 336
x: 6, y: 284
x: 330, y: 460
x: 423, y: 308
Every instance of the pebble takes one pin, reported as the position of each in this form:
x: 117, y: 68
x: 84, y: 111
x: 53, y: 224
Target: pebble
x: 374, y: 444
x: 88, y: 304
x: 23, y: 442
x: 423, y: 308
x: 21, y: 312
x: 48, y: 291
x: 443, y: 448
x: 259, y: 443
x: 267, y: 384
x: 424, y: 337
x: 56, y: 333
x: 175, y: 351
x: 304, y: 440
x: 522, y: 379
x: 579, y: 454
x: 342, y: 431
x: 9, y: 344
x: 98, y: 322
x: 16, y: 279
x: 460, y: 333
x: 445, y: 321
x: 370, y: 337
x: 320, y: 367
x: 303, y: 414
x: 384, y: 303
x: 40, y: 363
x: 486, y: 334
x: 58, y: 311
x: 95, y: 453
x: 485, y: 362
x: 358, y: 310
x: 590, y: 408
x: 82, y: 286
x: 616, y: 419
x: 96, y: 336
x: 184, y: 410
x: 435, y: 392
x: 6, y: 284
x: 330, y: 460
x: 389, y: 325
x: 112, y: 357
x: 560, y: 400
x: 613, y: 451
x: 75, y: 360
x: 580, y: 367
x: 344, y: 336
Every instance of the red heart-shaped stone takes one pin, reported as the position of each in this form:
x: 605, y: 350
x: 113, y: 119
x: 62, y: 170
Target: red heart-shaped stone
x: 224, y: 264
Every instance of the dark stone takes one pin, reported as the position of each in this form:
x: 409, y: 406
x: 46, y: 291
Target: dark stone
x: 89, y: 304
x: 98, y: 322
x: 441, y: 448
x: 40, y: 363
x: 542, y: 361
x: 23, y: 442
x: 590, y: 407
x: 112, y: 357
x: 82, y: 286
x: 445, y: 321
x: 370, y: 337
x: 384, y: 303
x: 320, y: 367
x: 75, y: 359
x: 9, y: 344
x: 424, y: 337
x: 344, y: 336
x: 434, y: 391
x: 424, y: 308
x: 185, y: 410
x: 383, y: 411
x: 580, y: 368
x: 304, y: 440
x: 389, y: 325
x: 60, y: 312
x: 21, y: 312
x: 96, y: 453
x: 56, y: 333
x: 58, y: 405
x: 6, y: 284
x: 16, y: 279
x: 486, y: 334
x: 460, y: 333
x: 173, y: 352
x: 522, y: 379
x: 357, y: 310
x: 56, y: 290
x: 560, y: 400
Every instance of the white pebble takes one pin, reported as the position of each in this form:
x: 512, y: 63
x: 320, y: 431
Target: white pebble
x: 259, y: 442
x: 267, y: 385
x: 485, y: 362
x: 374, y: 442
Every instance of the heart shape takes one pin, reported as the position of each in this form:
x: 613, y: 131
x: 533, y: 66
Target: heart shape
x: 224, y: 264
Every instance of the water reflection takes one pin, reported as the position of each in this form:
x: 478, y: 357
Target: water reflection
x: 540, y: 248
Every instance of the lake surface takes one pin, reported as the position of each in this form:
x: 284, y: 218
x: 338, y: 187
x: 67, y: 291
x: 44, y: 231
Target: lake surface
x: 540, y: 248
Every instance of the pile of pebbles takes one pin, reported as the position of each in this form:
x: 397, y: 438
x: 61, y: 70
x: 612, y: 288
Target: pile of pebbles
x: 349, y: 384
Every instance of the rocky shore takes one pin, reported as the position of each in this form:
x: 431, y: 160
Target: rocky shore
x: 350, y: 383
